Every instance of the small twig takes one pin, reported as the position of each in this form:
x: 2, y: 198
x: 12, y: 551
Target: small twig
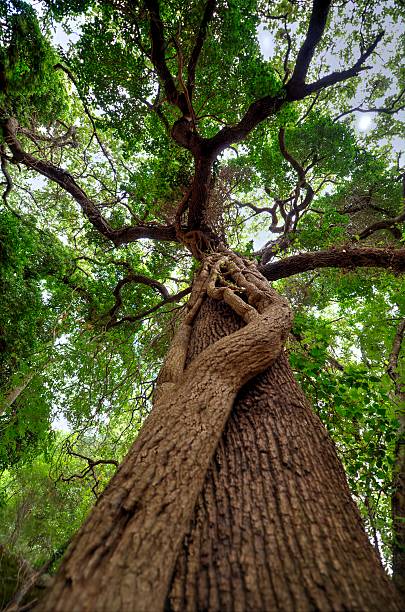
x: 91, y: 464
x: 388, y: 110
x: 143, y: 315
x: 89, y: 115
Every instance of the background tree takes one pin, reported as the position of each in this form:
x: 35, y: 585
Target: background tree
x: 167, y: 141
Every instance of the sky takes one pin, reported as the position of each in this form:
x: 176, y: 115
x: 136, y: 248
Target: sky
x: 363, y: 122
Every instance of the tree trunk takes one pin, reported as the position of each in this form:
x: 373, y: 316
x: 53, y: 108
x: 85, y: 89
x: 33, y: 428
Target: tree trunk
x: 398, y: 507
x: 258, y: 517
x: 398, y: 494
x: 275, y: 527
x: 16, y: 392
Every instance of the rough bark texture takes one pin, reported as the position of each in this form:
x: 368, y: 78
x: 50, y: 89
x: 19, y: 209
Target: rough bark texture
x: 398, y: 514
x: 346, y: 257
x: 124, y: 555
x: 398, y: 494
x: 258, y: 519
x: 275, y: 527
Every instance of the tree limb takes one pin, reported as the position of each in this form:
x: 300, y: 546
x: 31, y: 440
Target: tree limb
x: 316, y: 27
x: 195, y: 54
x: 135, y: 278
x: 159, y: 60
x: 380, y: 225
x: 269, y: 105
x: 346, y: 258
x: 288, y: 157
x: 386, y: 223
x: 205, y: 150
x: 300, y: 91
x: 257, y: 112
x: 67, y: 182
x: 295, y: 89
x: 142, y: 315
x: 387, y: 110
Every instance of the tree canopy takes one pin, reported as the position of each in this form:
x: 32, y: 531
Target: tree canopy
x: 154, y: 134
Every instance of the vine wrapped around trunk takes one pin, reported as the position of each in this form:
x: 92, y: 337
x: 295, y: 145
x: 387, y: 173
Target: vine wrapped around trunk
x: 232, y: 497
x: 141, y: 521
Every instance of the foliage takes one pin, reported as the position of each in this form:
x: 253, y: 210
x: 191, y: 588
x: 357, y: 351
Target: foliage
x: 31, y: 88
x: 74, y: 319
x: 340, y: 353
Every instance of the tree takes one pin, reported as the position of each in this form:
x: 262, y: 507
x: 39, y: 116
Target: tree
x: 232, y: 495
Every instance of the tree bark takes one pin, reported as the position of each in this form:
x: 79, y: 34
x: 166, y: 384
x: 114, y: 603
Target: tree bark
x: 349, y: 258
x: 398, y: 485
x: 257, y: 518
x: 275, y: 527
x: 398, y: 511
x: 16, y: 392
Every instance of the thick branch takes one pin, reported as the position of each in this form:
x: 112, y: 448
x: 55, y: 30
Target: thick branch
x: 295, y: 89
x: 159, y: 59
x: 199, y: 194
x: 90, y: 210
x: 257, y: 112
x: 206, y: 150
x: 300, y: 91
x: 202, y: 33
x: 347, y: 258
x: 317, y: 23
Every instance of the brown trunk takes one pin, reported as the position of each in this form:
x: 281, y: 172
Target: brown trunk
x: 275, y: 527
x: 398, y: 508
x: 258, y: 518
x: 398, y: 495
x: 16, y: 392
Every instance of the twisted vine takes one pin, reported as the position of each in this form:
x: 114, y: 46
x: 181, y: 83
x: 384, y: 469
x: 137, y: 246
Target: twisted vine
x: 140, y: 523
